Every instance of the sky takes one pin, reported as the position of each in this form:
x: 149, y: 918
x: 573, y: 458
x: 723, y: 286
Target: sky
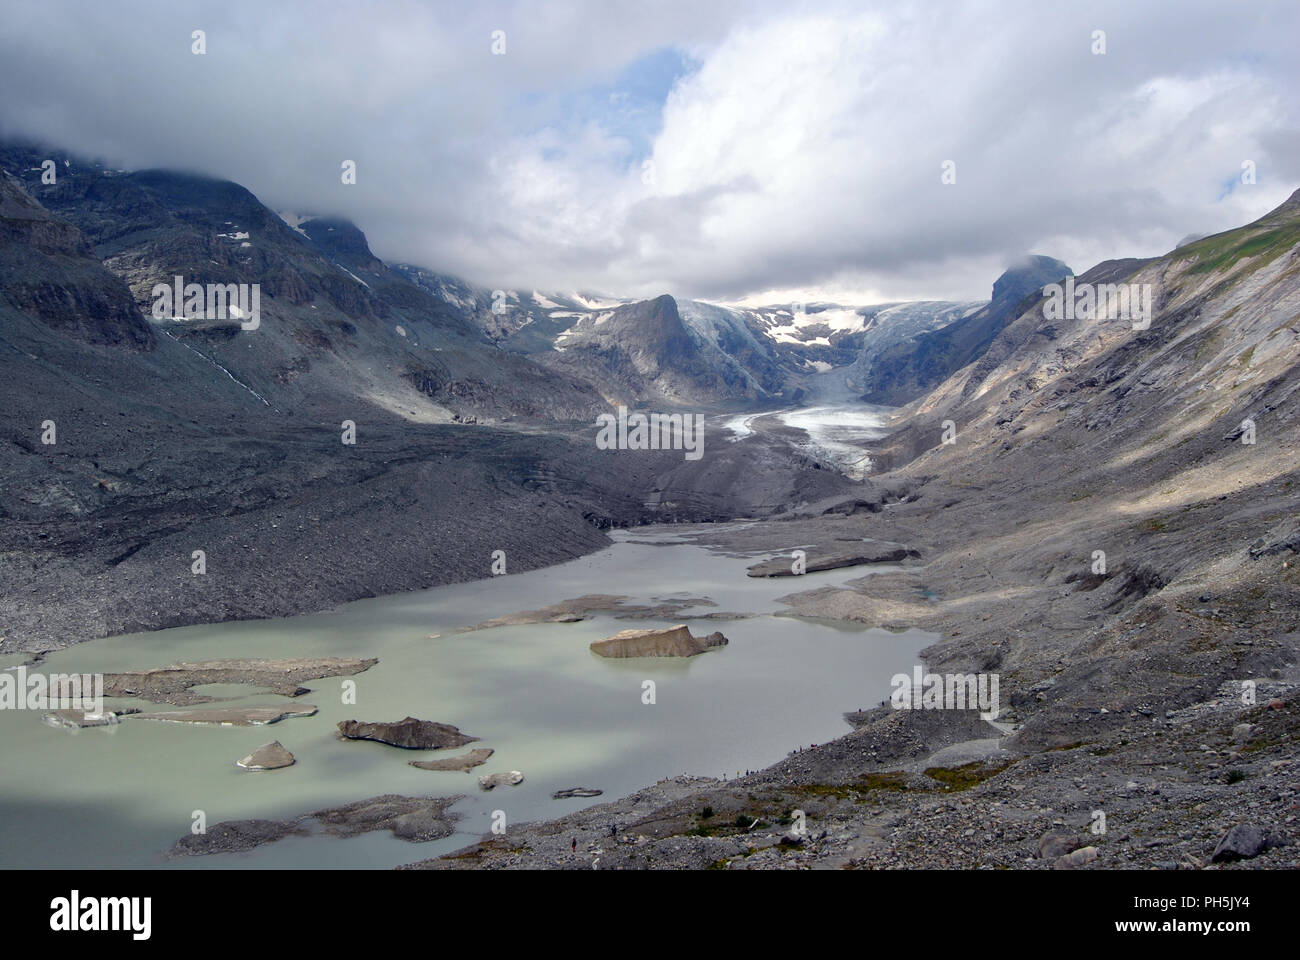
x: 734, y: 151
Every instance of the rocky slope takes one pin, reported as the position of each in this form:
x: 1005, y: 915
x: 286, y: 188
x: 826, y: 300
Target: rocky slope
x: 908, y: 369
x: 336, y: 321
x: 52, y: 274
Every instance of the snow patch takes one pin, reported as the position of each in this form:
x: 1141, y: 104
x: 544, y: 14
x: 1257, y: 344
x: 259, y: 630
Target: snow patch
x: 740, y: 425
x: 293, y: 221
x: 594, y: 303
x: 451, y: 297
x: 355, y: 277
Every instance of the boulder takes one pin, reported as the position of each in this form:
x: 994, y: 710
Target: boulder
x: 493, y: 780
x: 671, y: 642
x: 1247, y: 840
x: 269, y: 756
x: 1056, y: 843
x: 1075, y: 859
x: 409, y: 733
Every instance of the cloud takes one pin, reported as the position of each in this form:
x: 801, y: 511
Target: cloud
x: 712, y: 150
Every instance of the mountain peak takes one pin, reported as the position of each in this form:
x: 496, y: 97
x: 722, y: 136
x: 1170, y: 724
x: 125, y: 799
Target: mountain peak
x: 1031, y: 273
x: 337, y: 237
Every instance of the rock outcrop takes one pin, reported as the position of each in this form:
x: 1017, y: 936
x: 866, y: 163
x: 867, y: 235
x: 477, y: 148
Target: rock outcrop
x: 832, y: 558
x: 49, y: 270
x: 671, y: 642
x: 414, y: 819
x: 409, y: 733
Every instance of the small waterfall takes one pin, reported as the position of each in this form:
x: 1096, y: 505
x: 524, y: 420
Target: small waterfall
x: 221, y: 368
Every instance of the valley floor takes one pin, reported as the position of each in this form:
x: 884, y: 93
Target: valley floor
x: 1121, y: 692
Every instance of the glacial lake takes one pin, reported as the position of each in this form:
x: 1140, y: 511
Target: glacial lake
x: 120, y: 796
